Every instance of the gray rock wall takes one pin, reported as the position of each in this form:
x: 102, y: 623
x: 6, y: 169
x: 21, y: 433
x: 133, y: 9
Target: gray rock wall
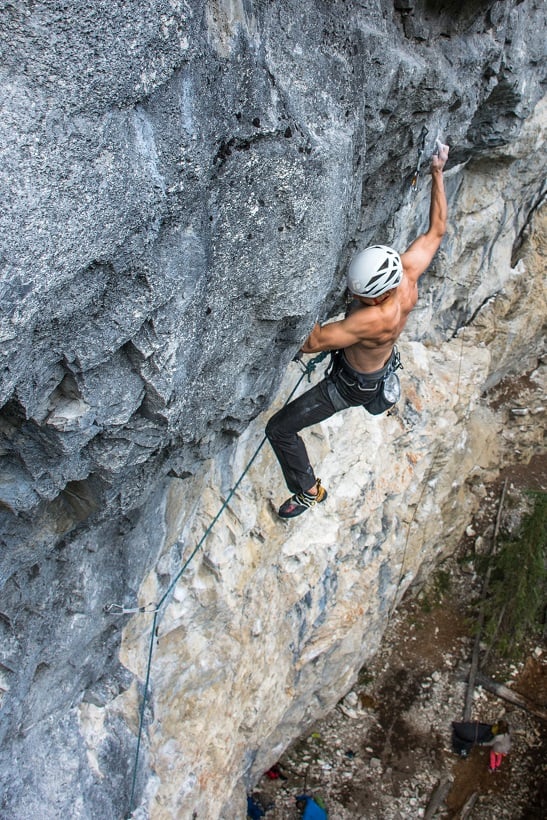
x: 182, y: 186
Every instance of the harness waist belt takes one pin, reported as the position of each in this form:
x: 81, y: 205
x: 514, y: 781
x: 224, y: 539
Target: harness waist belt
x: 376, y: 375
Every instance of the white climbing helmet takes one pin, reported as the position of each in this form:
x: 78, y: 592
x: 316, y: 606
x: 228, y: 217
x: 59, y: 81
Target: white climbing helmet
x: 374, y: 271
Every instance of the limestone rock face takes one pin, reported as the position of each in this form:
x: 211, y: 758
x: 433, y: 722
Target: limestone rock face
x: 270, y: 622
x: 182, y: 186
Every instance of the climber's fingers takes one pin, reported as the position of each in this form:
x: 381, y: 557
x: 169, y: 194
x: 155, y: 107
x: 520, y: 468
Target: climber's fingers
x: 440, y: 156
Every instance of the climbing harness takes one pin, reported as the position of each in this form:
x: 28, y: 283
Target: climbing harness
x: 156, y: 609
x: 421, y: 150
x: 377, y: 391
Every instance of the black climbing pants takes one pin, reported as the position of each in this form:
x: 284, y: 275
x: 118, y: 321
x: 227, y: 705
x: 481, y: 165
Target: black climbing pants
x: 343, y: 387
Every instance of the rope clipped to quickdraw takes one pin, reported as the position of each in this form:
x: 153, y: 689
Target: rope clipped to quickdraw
x: 308, y: 367
x: 116, y: 609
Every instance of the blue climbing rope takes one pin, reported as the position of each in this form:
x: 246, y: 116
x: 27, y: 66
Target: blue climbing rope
x: 307, y: 370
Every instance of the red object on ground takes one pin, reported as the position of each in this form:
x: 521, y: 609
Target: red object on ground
x: 495, y: 760
x: 273, y: 773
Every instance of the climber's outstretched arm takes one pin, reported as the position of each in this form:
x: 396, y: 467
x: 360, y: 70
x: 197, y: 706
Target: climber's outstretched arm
x: 419, y: 255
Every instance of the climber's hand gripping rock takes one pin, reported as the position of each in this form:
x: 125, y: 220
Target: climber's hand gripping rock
x: 440, y: 157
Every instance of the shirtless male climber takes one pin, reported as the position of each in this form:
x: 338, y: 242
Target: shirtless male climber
x: 384, y: 289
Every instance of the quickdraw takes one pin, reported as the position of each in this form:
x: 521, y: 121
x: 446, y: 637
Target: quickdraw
x: 421, y: 150
x: 118, y: 609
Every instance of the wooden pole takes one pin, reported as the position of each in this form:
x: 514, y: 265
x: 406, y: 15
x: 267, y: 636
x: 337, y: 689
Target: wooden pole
x: 468, y: 806
x: 438, y: 797
x: 511, y: 696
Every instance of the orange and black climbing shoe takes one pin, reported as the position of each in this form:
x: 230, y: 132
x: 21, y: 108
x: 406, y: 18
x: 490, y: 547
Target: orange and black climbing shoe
x: 299, y: 503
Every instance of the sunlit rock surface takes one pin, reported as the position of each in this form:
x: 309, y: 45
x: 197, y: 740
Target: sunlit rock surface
x: 270, y: 622
x: 182, y: 187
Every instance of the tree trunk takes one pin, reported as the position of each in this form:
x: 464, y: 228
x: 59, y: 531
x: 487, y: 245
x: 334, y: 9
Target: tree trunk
x: 513, y: 697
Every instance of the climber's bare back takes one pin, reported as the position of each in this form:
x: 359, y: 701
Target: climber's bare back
x: 382, y: 324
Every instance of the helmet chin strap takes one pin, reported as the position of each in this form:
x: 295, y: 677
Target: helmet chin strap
x: 374, y: 300
x: 382, y: 298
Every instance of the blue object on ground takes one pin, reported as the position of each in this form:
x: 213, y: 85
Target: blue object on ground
x: 254, y: 811
x: 312, y: 810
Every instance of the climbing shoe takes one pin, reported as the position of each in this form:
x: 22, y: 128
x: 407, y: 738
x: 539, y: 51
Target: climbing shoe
x: 299, y: 503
